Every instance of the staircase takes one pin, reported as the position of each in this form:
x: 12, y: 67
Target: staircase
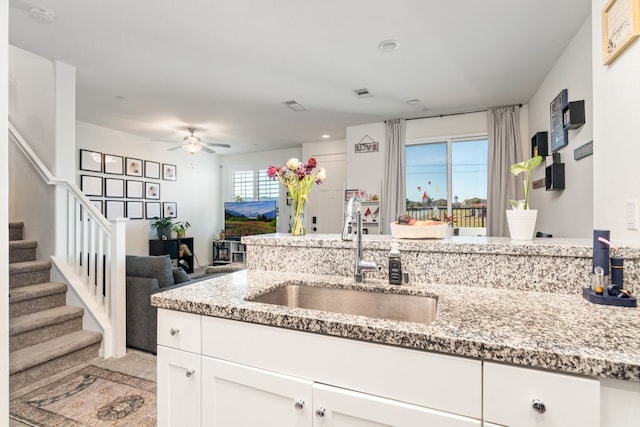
x: 45, y: 335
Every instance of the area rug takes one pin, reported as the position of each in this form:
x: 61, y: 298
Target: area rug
x: 91, y: 396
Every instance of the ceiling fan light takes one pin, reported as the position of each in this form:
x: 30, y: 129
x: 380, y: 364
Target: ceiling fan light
x: 192, y: 148
x: 191, y: 139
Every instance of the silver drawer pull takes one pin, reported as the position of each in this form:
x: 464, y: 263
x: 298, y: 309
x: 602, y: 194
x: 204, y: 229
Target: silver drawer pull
x: 190, y: 372
x: 538, y: 406
x: 174, y: 331
x: 320, y: 411
x: 300, y: 404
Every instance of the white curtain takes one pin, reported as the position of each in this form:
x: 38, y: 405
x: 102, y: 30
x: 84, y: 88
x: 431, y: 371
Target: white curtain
x: 394, y: 188
x: 505, y: 149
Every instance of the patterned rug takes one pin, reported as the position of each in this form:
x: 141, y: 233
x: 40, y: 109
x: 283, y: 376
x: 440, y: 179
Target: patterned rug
x: 91, y: 396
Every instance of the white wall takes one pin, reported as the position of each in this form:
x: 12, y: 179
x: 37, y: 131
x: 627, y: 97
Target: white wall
x: 365, y: 171
x: 253, y: 161
x: 616, y: 134
x: 4, y: 215
x: 195, y: 191
x: 566, y: 213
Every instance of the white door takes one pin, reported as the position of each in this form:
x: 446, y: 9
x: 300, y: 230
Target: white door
x: 178, y: 388
x: 326, y: 200
x: 338, y: 407
x: 235, y: 395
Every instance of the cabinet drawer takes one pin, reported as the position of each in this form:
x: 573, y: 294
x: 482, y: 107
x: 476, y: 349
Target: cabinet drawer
x: 509, y: 392
x: 179, y: 330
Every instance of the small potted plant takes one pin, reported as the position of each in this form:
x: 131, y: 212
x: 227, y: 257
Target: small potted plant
x: 180, y: 227
x: 521, y: 219
x: 163, y: 227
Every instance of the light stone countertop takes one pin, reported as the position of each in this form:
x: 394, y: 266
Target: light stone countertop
x: 545, y: 330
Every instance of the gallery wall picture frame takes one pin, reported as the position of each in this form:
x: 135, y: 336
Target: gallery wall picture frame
x: 133, y: 167
x: 151, y: 169
x: 134, y: 209
x: 135, y: 189
x: 151, y: 190
x: 90, y: 161
x: 169, y: 210
x: 620, y: 27
x: 114, y: 187
x: 559, y: 135
x: 113, y: 165
x: 169, y: 172
x: 114, y: 209
x: 97, y: 204
x: 152, y: 210
x: 91, y: 185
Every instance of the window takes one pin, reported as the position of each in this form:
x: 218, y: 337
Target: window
x: 449, y: 177
x: 254, y: 186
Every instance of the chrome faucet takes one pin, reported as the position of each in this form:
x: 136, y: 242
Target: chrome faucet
x: 360, y: 265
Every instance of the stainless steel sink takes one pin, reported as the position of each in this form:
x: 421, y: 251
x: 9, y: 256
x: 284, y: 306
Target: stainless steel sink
x: 403, y: 307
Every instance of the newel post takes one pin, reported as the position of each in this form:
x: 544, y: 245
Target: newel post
x: 118, y: 304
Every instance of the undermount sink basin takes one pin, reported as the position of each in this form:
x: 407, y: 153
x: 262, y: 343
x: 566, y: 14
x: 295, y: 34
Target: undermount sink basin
x: 403, y: 307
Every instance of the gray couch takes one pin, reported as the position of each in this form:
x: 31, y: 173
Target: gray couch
x: 147, y: 275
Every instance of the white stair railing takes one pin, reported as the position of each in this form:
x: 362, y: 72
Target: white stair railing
x: 90, y: 254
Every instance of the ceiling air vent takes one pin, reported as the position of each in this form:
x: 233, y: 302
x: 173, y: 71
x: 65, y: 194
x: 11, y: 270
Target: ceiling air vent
x: 362, y: 93
x: 295, y: 105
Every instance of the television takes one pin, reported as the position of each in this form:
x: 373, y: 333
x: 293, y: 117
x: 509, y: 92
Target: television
x: 249, y: 218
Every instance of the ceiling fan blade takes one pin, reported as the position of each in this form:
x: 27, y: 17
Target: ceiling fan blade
x: 215, y: 144
x: 177, y: 147
x: 208, y: 150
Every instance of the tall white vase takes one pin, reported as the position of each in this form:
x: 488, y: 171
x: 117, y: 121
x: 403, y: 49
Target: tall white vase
x: 522, y: 223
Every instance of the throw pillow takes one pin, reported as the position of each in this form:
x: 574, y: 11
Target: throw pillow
x: 180, y: 276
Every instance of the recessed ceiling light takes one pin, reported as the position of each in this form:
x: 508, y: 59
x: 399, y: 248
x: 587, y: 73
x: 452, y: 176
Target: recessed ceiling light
x: 42, y: 14
x: 325, y: 136
x: 388, y: 45
x: 413, y: 101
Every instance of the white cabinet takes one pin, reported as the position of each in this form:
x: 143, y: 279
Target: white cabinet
x: 527, y: 397
x: 336, y: 407
x: 237, y: 395
x: 179, y: 380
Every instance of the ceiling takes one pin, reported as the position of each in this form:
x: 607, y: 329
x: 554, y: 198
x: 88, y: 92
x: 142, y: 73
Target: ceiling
x: 155, y: 67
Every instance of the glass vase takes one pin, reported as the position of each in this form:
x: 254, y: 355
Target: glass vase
x: 297, y: 217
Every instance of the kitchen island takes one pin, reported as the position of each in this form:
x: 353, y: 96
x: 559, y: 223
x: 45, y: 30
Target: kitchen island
x: 475, y: 327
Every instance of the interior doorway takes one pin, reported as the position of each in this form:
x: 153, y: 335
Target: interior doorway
x: 325, y: 207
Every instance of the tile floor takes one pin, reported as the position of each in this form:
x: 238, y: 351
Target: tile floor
x: 138, y: 363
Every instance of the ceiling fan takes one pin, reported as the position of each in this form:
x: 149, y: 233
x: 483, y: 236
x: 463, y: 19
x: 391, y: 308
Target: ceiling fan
x: 194, y: 144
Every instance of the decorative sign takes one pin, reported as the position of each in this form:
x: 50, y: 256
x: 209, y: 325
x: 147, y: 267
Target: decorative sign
x: 367, y: 147
x: 620, y: 27
x: 583, y: 151
x: 559, y: 135
x: 539, y: 183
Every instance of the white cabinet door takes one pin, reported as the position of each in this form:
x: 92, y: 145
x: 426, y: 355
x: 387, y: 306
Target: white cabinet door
x: 562, y: 400
x: 338, y: 407
x: 179, y: 380
x: 235, y: 395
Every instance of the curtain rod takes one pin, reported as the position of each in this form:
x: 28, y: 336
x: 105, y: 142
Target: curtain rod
x: 459, y: 114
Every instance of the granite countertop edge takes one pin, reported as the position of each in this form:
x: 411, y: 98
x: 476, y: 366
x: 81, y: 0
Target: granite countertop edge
x: 535, y: 329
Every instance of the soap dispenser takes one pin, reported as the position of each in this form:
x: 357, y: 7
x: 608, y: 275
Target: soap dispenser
x: 395, y: 265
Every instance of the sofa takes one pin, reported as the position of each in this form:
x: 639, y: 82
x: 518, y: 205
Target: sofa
x: 147, y: 275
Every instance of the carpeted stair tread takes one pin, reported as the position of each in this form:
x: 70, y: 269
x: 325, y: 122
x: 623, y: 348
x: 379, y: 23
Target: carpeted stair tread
x: 23, y: 359
x: 28, y: 266
x: 15, y: 230
x: 22, y: 244
x: 40, y: 290
x: 22, y: 250
x: 43, y: 318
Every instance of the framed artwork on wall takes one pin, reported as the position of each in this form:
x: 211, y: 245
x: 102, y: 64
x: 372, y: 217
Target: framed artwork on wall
x: 169, y: 209
x: 113, y: 187
x: 559, y: 134
x: 113, y: 165
x: 620, y: 27
x: 97, y: 204
x: 91, y: 185
x: 134, y: 167
x: 134, y: 210
x: 169, y: 172
x: 114, y: 209
x: 151, y: 190
x: 151, y: 169
x: 135, y: 189
x: 152, y: 210
x: 90, y: 161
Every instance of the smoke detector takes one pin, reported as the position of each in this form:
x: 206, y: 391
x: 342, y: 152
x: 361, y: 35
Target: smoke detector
x: 42, y: 14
